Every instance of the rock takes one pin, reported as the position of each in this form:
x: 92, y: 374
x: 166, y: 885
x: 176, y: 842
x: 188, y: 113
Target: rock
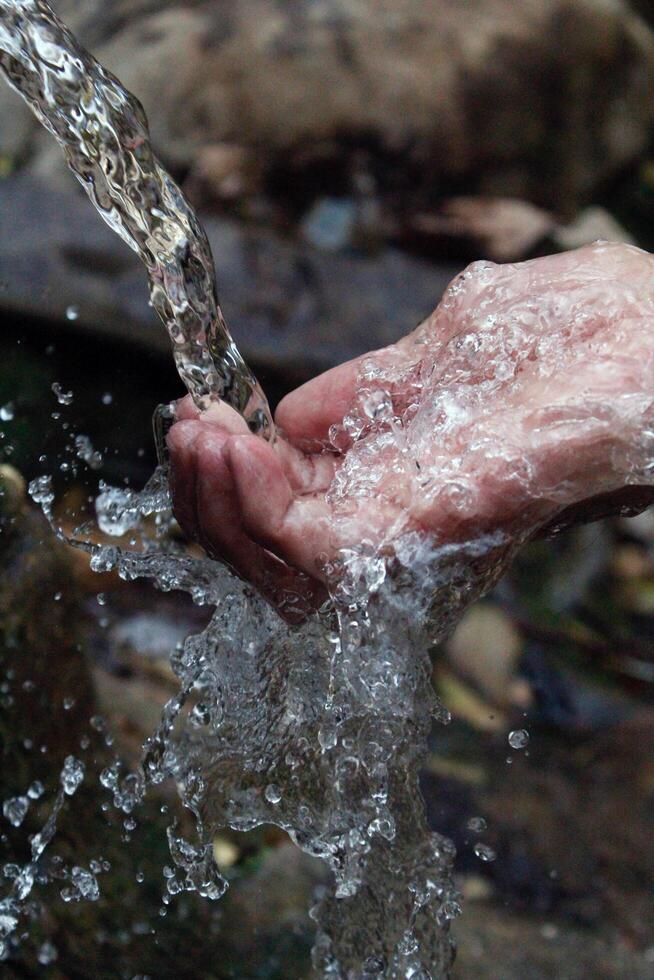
x: 492, y: 944
x: 223, y: 172
x: 293, y: 311
x: 485, y: 648
x: 500, y: 229
x: 330, y: 224
x: 445, y: 91
x: 591, y: 225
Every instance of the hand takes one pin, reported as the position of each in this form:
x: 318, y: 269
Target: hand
x: 523, y: 403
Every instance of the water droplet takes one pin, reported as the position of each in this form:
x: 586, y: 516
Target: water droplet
x: 69, y: 703
x: 7, y: 412
x: 63, y: 397
x: 72, y: 312
x: 519, y: 739
x: 40, y: 490
x: 273, y: 793
x: 450, y: 909
x: 84, y: 885
x: 72, y: 775
x: 484, y: 852
x: 15, y: 809
x: 377, y: 404
x: 47, y: 953
x: 107, y: 398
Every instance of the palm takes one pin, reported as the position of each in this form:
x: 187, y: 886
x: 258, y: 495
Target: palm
x: 523, y: 396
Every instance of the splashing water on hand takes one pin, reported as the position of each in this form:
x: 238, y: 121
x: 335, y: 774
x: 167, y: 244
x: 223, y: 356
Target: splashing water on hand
x: 321, y: 728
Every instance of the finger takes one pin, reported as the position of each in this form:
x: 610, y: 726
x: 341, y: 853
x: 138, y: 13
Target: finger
x: 306, y: 415
x: 218, y: 413
x: 296, y: 528
x: 206, y: 507
x: 306, y: 473
x: 181, y: 440
x: 223, y: 535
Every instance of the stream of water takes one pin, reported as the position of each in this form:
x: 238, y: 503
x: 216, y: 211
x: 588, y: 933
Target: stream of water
x: 103, y: 133
x: 318, y: 728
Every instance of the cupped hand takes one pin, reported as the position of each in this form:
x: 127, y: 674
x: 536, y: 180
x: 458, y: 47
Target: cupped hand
x: 524, y: 402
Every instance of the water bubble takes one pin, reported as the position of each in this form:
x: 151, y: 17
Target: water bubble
x: 84, y: 450
x: 72, y: 312
x: 47, y: 953
x: 40, y: 490
x: 273, y: 793
x: 109, y: 777
x: 116, y: 511
x: 107, y: 398
x: 8, y: 920
x: 104, y: 560
x: 377, y: 404
x: 72, y: 775
x: 36, y: 790
x: 519, y: 739
x: 63, y: 397
x: 7, y: 412
x: 450, y: 910
x: 484, y: 852
x: 84, y: 885
x: 15, y: 809
x: 69, y: 703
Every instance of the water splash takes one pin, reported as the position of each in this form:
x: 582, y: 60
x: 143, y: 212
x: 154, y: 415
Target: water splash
x: 104, y: 135
x: 318, y: 728
x: 321, y: 728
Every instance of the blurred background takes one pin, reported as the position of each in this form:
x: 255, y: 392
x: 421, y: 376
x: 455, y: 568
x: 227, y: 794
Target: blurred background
x: 347, y: 157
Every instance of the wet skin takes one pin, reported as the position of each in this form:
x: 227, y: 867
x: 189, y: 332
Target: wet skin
x: 573, y: 337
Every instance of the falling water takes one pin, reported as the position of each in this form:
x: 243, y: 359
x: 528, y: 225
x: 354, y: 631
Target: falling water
x: 103, y: 133
x: 319, y: 728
